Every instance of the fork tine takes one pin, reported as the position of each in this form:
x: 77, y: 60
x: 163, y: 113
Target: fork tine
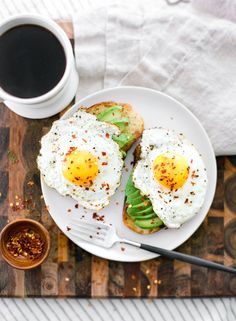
x: 91, y: 223
x: 88, y: 229
x: 95, y: 239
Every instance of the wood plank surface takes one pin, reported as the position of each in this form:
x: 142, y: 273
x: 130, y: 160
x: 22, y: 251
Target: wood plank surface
x: 72, y: 272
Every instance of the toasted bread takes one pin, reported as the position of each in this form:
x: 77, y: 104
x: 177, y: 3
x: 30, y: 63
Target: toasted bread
x: 126, y: 219
x: 135, y: 126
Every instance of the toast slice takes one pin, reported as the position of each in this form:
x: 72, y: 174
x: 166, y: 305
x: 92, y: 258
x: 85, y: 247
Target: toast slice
x: 127, y: 220
x: 134, y: 126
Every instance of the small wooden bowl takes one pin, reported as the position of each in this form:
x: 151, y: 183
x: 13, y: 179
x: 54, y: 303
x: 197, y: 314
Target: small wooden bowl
x: 16, y: 226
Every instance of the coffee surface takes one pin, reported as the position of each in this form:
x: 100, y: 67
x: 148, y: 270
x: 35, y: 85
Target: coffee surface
x: 32, y: 61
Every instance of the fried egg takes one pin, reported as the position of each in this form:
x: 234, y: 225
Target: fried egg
x: 171, y: 173
x: 79, y: 158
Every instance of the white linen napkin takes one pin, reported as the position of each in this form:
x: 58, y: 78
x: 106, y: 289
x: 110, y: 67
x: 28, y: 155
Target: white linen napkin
x: 187, y: 56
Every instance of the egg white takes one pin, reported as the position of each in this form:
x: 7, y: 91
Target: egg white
x: 178, y: 206
x: 92, y: 136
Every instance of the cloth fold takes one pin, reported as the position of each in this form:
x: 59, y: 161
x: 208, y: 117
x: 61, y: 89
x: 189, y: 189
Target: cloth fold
x: 187, y: 56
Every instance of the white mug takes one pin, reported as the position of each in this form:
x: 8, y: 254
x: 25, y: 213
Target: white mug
x: 58, y: 97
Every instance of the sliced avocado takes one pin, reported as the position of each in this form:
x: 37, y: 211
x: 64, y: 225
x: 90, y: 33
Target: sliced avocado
x: 133, y: 199
x: 133, y: 194
x: 136, y: 211
x: 123, y: 139
x: 144, y: 217
x: 110, y: 113
x: 136, y: 200
x: 120, y: 122
x: 148, y: 223
x: 130, y: 188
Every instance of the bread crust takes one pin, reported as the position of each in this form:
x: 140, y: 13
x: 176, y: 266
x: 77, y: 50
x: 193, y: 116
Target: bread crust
x: 136, y: 124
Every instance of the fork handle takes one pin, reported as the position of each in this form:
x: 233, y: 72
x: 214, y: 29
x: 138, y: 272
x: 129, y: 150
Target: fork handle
x: 173, y: 255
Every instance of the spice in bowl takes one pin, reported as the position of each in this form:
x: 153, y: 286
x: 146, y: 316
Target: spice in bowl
x: 24, y: 243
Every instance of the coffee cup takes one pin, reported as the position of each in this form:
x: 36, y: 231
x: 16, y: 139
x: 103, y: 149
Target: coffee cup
x: 44, y: 95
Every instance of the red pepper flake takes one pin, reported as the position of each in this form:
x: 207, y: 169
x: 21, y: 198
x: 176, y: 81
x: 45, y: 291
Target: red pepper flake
x: 104, y: 153
x: 186, y: 201
x: 71, y: 149
x: 107, y: 135
x: 74, y: 136
x: 98, y: 217
x: 193, y: 183
x: 106, y: 186
x: 68, y: 228
x: 69, y: 210
x: 26, y: 244
x: 76, y: 205
x: 194, y: 175
x: 104, y: 163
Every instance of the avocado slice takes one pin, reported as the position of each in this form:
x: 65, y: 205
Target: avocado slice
x: 120, y: 122
x: 137, y: 200
x: 113, y: 115
x: 136, y: 211
x: 130, y: 188
x: 123, y: 139
x: 148, y: 223
x: 133, y: 199
x: 110, y: 113
x: 133, y: 194
x: 144, y: 217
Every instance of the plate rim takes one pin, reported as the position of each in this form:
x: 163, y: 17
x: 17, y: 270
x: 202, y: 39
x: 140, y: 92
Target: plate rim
x: 213, y: 184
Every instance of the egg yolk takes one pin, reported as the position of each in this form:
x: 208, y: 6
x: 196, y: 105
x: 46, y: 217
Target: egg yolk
x: 170, y: 170
x: 80, y: 167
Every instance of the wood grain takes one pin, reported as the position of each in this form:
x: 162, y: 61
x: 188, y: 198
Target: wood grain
x: 72, y: 272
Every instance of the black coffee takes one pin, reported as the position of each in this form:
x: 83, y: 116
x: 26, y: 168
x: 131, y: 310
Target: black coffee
x: 32, y: 61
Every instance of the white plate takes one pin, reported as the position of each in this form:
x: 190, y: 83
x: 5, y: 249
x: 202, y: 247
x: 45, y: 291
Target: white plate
x: 157, y: 109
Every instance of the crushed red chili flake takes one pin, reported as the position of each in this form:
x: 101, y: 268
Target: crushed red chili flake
x: 104, y: 163
x: 107, y: 135
x: 106, y: 186
x: 104, y: 153
x: 71, y: 149
x: 186, y: 201
x: 98, y: 217
x: 22, y: 204
x: 76, y: 205
x: 69, y: 210
x: 26, y: 244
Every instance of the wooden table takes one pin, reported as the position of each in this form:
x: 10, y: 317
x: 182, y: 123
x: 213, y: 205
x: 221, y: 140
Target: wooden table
x: 72, y: 272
